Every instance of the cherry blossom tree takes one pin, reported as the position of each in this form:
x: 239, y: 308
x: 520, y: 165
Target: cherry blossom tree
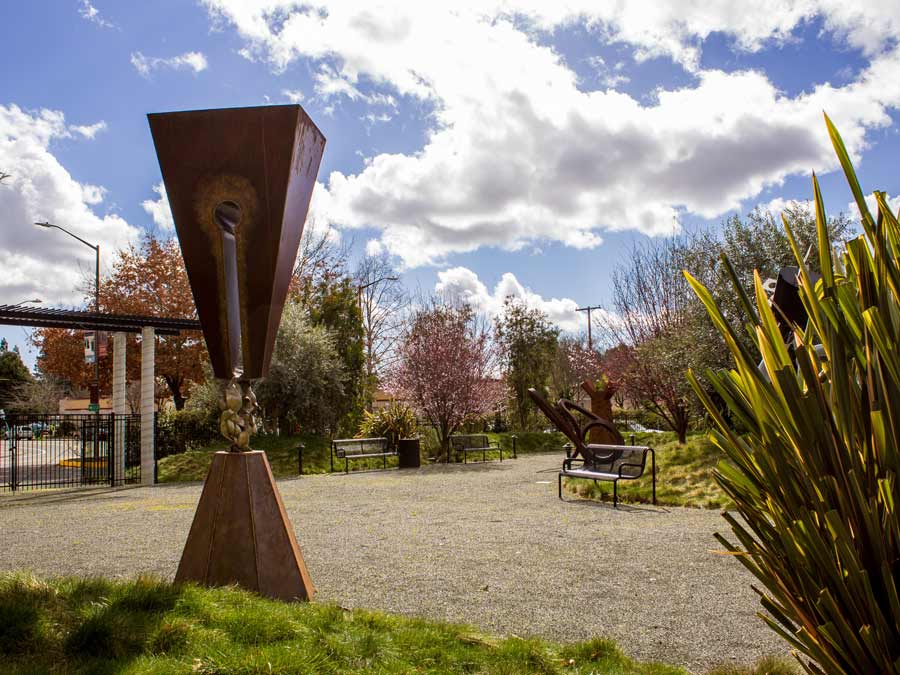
x: 446, y: 369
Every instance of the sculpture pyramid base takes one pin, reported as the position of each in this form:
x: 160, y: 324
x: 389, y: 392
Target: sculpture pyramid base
x: 241, y: 534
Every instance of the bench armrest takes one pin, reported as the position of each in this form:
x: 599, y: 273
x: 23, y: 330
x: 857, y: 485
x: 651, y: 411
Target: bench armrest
x: 567, y: 462
x: 640, y: 466
x: 636, y: 466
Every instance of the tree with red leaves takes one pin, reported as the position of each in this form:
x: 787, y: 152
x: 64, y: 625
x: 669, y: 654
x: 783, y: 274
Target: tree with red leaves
x: 148, y: 280
x: 446, y: 369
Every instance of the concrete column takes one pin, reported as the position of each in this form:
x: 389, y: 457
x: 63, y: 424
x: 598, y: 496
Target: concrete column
x: 120, y: 407
x: 148, y: 387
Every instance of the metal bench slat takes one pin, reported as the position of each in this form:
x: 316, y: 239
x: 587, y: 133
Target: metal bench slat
x: 592, y: 475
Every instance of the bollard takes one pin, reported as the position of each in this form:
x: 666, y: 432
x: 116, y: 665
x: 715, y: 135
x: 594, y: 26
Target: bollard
x: 632, y: 439
x: 514, y: 437
x: 568, y: 447
x: 300, y: 458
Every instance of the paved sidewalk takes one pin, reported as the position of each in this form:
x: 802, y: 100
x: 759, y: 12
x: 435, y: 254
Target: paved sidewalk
x: 485, y: 544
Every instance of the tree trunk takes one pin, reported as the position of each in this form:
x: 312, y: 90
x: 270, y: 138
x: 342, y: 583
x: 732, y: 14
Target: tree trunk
x: 174, y: 385
x: 445, y: 441
x: 682, y: 421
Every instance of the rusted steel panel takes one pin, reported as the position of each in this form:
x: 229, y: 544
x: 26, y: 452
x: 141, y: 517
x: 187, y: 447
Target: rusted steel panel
x: 247, y: 173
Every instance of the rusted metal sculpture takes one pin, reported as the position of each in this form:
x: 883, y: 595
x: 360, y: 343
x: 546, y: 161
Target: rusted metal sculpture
x: 238, y: 419
x: 560, y: 414
x: 601, y: 407
x: 239, y: 182
x: 595, y: 461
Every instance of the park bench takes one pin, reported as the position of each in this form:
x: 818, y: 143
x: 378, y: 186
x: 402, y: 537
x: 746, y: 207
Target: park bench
x: 360, y: 448
x: 466, y: 443
x: 595, y: 461
x: 624, y: 462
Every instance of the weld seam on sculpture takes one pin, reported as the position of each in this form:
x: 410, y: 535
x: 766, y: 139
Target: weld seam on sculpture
x: 253, y: 526
x: 212, y: 536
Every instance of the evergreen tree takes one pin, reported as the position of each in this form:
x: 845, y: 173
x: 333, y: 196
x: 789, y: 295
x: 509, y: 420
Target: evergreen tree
x: 527, y: 342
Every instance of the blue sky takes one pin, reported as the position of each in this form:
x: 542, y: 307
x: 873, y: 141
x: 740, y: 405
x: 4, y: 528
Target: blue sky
x: 493, y: 148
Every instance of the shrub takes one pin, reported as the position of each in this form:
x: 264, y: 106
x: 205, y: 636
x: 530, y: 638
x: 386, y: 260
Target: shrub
x: 182, y: 430
x: 393, y: 422
x: 814, y: 478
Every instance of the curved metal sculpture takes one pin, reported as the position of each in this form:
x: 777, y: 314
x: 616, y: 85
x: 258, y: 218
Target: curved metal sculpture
x: 238, y: 420
x: 562, y: 418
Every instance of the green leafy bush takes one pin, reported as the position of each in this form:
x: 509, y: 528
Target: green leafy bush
x: 393, y: 422
x: 814, y: 478
x: 178, y: 431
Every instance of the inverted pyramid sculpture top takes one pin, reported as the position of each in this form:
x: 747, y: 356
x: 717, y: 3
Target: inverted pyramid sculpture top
x: 239, y: 181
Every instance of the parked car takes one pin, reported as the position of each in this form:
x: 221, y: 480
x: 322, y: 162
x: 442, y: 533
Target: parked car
x: 31, y: 431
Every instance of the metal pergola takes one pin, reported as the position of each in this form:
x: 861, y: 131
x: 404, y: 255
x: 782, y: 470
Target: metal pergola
x: 39, y: 317
x: 117, y: 324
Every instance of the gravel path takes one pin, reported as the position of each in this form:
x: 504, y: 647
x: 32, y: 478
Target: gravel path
x: 490, y: 545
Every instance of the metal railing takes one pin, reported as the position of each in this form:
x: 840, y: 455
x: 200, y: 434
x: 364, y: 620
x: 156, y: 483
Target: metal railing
x: 53, y: 451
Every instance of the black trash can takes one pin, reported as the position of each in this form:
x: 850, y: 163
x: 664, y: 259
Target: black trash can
x: 408, y: 453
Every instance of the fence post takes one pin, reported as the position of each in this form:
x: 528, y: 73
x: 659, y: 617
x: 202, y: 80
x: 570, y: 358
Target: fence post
x: 111, y: 449
x: 300, y: 458
x: 155, y: 445
x: 13, y: 462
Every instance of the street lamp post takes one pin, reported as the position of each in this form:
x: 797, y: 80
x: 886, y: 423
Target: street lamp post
x: 369, y: 347
x: 360, y: 288
x: 27, y: 302
x: 96, y: 248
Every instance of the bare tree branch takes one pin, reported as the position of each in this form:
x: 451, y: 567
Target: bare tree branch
x: 321, y: 258
x: 384, y: 304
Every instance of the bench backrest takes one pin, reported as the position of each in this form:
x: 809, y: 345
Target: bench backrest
x: 466, y: 441
x: 347, y: 447
x: 633, y: 456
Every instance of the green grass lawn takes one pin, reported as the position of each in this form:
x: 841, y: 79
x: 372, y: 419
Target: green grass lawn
x: 149, y: 626
x: 684, y: 472
x: 282, y: 453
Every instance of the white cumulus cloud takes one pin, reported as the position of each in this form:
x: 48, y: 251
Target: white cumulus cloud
x: 89, y: 131
x: 518, y: 154
x: 892, y: 202
x: 38, y: 262
x: 145, y: 65
x: 159, y: 208
x: 293, y: 95
x: 460, y: 284
x: 90, y: 13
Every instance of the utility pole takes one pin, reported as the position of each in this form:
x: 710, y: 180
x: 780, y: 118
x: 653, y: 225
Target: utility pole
x: 588, y: 310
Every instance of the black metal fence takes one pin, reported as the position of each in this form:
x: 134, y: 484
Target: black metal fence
x: 52, y: 451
